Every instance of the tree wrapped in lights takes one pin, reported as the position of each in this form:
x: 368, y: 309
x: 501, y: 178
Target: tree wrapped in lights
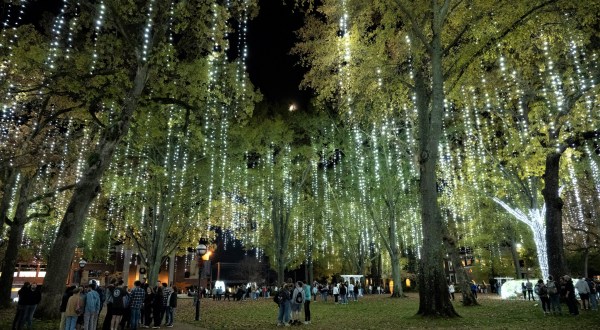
x: 434, y: 46
x: 111, y: 74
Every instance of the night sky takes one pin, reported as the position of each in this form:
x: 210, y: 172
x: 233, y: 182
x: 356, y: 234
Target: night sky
x: 270, y: 38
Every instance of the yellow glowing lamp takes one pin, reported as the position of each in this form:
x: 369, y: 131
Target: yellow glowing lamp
x: 407, y: 282
x: 206, y: 256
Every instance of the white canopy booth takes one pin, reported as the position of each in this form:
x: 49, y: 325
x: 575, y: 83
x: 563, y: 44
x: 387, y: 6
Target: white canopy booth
x: 352, y: 278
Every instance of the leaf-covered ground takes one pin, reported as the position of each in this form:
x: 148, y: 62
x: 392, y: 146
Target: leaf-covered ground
x: 372, y: 312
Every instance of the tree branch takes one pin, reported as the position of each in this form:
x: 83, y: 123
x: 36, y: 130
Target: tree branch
x: 50, y: 194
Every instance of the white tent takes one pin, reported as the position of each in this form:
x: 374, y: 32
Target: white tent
x: 350, y: 278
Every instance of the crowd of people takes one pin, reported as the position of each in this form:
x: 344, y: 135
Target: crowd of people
x: 552, y: 293
x: 141, y: 307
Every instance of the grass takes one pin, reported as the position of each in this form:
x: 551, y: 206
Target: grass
x: 372, y: 312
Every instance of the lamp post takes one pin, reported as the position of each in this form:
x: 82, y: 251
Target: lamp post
x: 82, y: 264
x: 201, y: 250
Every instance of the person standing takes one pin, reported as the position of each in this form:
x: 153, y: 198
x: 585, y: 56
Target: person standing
x: 336, y: 293
x: 451, y: 290
x: 171, y: 305
x: 350, y: 292
x: 593, y: 294
x: 63, y: 305
x: 297, y: 302
x: 343, y: 294
x: 306, y: 304
x: 108, y: 299
x: 542, y: 291
x: 72, y: 310
x: 148, y: 300
x: 92, y: 308
x: 24, y: 294
x: 283, y: 301
x: 570, y: 295
x: 529, y: 287
x: 524, y: 289
x: 166, y: 292
x: 119, y: 305
x: 31, y: 304
x: 157, y: 306
x: 137, y: 300
x: 554, y: 295
x: 584, y: 292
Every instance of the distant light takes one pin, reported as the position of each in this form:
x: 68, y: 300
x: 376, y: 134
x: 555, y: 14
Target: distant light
x: 293, y: 107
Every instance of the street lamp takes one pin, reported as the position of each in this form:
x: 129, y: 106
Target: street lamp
x: 201, y: 250
x: 82, y: 264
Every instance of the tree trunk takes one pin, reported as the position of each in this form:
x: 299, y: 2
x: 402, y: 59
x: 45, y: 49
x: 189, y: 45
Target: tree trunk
x: 396, y: 276
x: 462, y: 277
x: 554, y: 228
x: 10, y: 176
x: 14, y: 240
x: 434, y: 299
x: 515, y: 257
x: 71, y: 226
x: 586, y: 258
x: 280, y: 221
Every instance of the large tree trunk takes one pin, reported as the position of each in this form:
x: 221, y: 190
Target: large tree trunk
x: 14, y: 240
x: 586, y: 258
x: 396, y: 276
x: 433, y: 290
x: 279, y: 220
x: 462, y: 277
x: 71, y: 226
x: 554, y: 228
x: 394, y: 254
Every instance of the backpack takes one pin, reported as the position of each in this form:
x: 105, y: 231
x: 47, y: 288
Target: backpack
x: 299, y: 296
x: 552, y: 287
x: 543, y: 291
x: 279, y: 297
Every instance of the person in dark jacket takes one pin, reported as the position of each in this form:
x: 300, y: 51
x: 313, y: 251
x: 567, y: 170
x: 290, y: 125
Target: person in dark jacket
x: 148, y: 301
x: 570, y: 296
x: 171, y: 305
x: 25, y: 294
x: 157, y: 306
x: 35, y: 298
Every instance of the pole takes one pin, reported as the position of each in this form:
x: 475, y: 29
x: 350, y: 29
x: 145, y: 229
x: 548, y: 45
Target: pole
x: 198, y: 294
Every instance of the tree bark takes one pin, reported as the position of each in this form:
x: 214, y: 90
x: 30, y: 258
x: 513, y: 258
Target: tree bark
x: 396, y: 275
x: 71, y: 226
x: 434, y: 299
x: 462, y: 277
x: 280, y: 220
x: 14, y: 240
x: 586, y: 258
x: 554, y: 228
x: 10, y: 176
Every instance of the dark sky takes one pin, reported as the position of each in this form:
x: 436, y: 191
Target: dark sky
x: 270, y: 38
